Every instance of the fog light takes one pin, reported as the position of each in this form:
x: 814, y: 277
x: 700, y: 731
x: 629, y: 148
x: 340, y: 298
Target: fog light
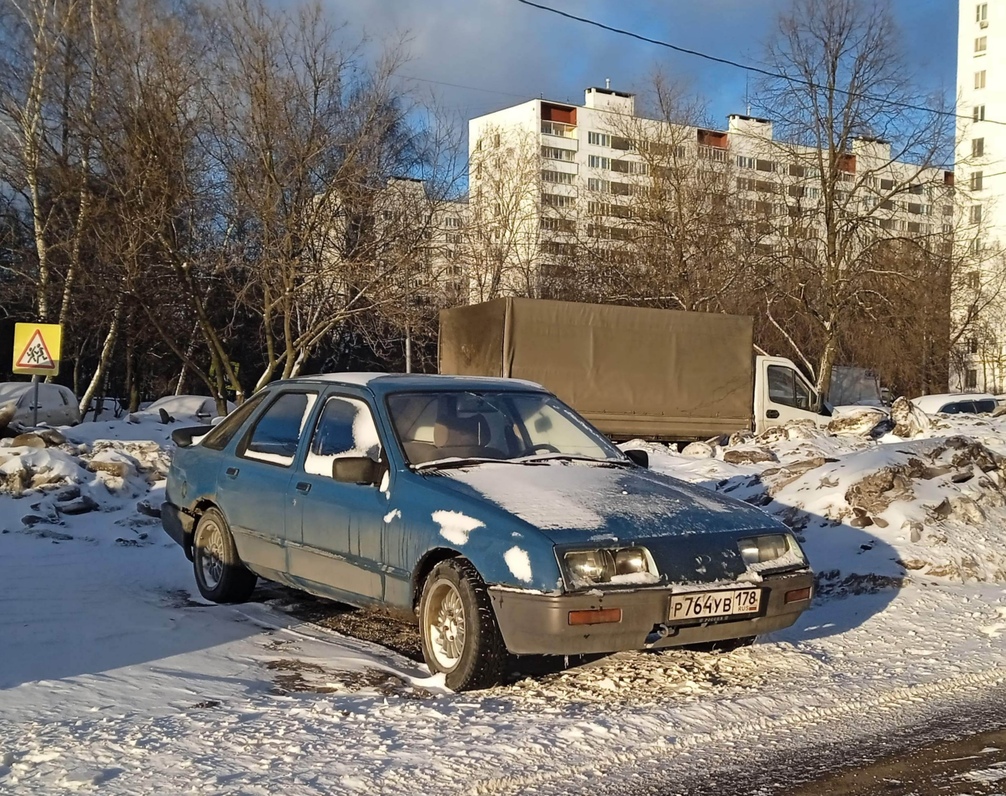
x: 795, y: 595
x: 601, y: 616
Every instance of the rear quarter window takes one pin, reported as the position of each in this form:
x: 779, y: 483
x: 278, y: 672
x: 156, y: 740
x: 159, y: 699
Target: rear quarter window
x: 220, y: 437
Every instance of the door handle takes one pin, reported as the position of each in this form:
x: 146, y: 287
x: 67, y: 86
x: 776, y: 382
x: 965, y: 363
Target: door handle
x: 772, y: 414
x: 232, y: 472
x: 303, y: 487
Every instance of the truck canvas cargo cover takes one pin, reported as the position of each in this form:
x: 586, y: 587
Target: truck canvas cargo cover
x: 633, y: 372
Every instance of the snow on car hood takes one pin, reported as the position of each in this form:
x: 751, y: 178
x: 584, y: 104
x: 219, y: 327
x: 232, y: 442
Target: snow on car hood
x: 566, y: 500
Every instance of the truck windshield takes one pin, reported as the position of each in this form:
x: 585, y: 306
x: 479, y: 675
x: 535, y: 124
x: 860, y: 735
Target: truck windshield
x: 502, y: 426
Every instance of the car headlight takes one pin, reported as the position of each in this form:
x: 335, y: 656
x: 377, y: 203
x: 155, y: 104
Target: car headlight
x: 768, y: 548
x: 591, y: 567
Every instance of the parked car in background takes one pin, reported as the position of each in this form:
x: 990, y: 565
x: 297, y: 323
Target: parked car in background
x: 957, y: 404
x: 104, y: 408
x: 187, y: 408
x: 57, y: 405
x: 486, y: 509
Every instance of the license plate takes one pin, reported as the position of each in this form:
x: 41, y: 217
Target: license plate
x: 710, y: 604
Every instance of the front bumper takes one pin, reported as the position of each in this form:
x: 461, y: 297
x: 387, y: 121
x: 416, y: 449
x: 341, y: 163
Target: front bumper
x: 178, y: 525
x: 538, y: 624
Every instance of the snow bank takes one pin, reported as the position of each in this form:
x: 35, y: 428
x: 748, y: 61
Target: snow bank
x: 876, y: 510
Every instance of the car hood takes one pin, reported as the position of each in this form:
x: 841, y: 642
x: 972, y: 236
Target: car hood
x: 574, y: 502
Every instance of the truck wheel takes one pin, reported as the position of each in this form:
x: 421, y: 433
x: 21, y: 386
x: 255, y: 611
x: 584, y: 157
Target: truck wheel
x: 220, y: 575
x: 458, y: 628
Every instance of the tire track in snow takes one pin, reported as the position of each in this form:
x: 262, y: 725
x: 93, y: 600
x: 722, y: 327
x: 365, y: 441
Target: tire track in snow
x: 707, y: 742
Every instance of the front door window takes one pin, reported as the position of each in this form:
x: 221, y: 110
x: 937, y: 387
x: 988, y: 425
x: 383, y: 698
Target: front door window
x: 345, y: 429
x: 787, y: 389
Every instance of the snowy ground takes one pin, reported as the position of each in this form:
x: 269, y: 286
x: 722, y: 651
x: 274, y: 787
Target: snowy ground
x: 115, y: 677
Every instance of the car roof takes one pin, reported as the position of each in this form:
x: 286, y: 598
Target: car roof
x: 399, y: 382
x: 931, y: 403
x: 18, y: 388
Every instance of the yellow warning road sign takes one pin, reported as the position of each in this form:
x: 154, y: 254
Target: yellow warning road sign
x: 37, y: 348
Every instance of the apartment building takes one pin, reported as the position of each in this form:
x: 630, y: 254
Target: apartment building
x: 981, y: 169
x: 573, y: 173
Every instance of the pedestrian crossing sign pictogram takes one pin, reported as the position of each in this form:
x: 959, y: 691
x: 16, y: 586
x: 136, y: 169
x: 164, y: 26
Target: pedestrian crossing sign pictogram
x: 37, y: 348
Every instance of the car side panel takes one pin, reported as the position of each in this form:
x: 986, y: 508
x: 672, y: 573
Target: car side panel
x: 337, y: 541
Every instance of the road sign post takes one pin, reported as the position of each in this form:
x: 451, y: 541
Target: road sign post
x: 37, y: 348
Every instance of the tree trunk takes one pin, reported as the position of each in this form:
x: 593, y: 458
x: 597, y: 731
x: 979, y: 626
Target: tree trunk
x: 106, y: 356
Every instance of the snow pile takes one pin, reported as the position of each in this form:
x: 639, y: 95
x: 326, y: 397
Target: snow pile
x: 871, y: 511
x: 45, y: 480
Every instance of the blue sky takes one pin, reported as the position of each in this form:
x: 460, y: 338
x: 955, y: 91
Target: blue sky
x: 508, y: 52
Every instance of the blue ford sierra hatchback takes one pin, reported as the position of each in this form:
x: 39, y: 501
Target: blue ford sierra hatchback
x: 487, y: 509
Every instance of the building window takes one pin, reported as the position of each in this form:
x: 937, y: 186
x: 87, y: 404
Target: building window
x: 558, y: 224
x: 975, y: 247
x: 978, y: 113
x: 971, y: 379
x: 598, y: 162
x: 745, y: 162
x: 981, y: 44
x: 557, y: 153
x: 765, y: 165
x: 976, y: 180
x: 599, y: 139
x: 452, y: 222
x: 601, y: 186
x: 980, y: 79
x: 976, y: 214
x: 977, y: 147
x: 557, y: 177
x: 557, y: 200
x: 982, y: 13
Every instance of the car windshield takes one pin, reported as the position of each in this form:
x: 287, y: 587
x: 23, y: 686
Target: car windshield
x: 500, y: 426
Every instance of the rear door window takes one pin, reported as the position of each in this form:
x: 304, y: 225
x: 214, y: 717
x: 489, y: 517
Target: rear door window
x: 276, y: 434
x: 985, y: 406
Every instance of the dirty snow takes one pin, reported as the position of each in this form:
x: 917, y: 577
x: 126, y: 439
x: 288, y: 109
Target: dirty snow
x: 115, y: 677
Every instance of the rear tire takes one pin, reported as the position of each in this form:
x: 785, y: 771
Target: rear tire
x: 458, y: 630
x: 220, y: 575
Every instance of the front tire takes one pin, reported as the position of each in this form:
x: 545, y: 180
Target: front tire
x: 220, y: 575
x: 458, y: 629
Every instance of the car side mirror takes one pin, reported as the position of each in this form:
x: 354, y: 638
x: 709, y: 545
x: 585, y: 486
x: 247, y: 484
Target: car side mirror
x: 638, y: 457
x: 357, y: 470
x: 182, y: 437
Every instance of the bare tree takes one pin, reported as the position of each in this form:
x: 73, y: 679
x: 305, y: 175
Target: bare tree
x: 509, y: 203
x: 860, y: 149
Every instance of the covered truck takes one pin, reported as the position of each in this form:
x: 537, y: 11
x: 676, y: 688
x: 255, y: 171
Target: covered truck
x: 631, y: 371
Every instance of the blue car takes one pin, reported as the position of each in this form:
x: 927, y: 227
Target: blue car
x: 485, y: 508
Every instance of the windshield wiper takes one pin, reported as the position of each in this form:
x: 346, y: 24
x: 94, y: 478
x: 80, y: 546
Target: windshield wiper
x: 567, y: 457
x: 445, y: 464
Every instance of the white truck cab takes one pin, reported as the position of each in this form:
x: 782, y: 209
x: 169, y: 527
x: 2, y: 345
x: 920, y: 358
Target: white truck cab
x: 783, y: 394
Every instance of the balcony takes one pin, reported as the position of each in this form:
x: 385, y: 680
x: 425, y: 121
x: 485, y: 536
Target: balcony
x: 713, y: 153
x: 558, y: 129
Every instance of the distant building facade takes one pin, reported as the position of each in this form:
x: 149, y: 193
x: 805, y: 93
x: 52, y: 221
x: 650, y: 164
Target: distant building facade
x: 574, y: 172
